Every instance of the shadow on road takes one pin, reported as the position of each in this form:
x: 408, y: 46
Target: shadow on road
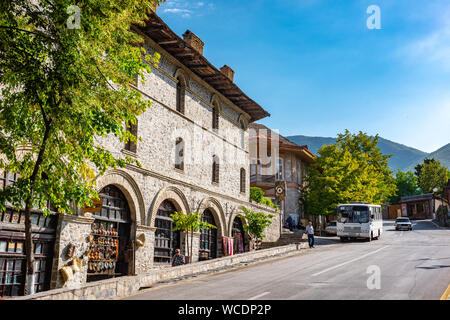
x: 433, y: 267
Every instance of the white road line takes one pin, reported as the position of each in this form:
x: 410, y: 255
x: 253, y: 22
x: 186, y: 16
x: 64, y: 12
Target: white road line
x: 259, y: 296
x: 350, y: 261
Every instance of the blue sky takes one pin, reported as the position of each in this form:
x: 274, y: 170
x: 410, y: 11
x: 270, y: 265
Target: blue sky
x: 317, y: 68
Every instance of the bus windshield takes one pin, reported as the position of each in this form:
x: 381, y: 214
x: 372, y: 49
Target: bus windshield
x: 354, y: 214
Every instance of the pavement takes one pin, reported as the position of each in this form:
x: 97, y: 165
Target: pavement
x: 410, y: 265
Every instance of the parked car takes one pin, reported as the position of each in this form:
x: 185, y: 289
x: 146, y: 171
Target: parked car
x: 331, y: 229
x: 403, y: 224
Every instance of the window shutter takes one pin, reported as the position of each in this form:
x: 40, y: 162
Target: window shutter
x: 243, y: 180
x: 179, y: 154
x: 133, y: 129
x: 181, y: 93
x: 216, y: 118
x: 215, y: 169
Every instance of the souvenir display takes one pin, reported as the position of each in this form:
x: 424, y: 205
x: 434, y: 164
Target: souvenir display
x: 104, y: 248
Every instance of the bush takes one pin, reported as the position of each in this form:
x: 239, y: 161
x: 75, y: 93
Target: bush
x: 269, y: 203
x: 256, y: 194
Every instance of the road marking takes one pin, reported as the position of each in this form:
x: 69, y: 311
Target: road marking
x: 446, y: 295
x: 259, y: 296
x: 350, y: 261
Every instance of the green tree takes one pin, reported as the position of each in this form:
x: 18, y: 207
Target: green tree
x: 189, y: 223
x: 419, y: 166
x: 66, y: 77
x: 433, y: 175
x: 407, y: 185
x: 257, y: 222
x: 352, y: 169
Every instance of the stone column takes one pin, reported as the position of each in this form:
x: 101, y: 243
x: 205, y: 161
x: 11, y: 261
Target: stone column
x: 144, y: 255
x: 74, y: 230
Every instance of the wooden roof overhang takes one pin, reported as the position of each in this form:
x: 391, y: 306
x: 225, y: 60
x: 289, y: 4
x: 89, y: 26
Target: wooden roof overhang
x: 156, y: 29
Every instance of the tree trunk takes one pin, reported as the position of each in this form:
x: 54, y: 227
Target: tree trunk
x: 29, y: 279
x: 29, y: 274
x: 192, y: 242
x: 186, y: 242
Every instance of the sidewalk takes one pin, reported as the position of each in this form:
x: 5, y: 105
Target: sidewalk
x: 124, y: 286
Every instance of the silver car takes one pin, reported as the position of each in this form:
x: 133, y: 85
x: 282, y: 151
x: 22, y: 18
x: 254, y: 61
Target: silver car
x: 403, y: 224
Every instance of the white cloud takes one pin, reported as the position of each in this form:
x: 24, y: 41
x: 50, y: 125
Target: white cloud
x: 434, y: 47
x: 185, y: 8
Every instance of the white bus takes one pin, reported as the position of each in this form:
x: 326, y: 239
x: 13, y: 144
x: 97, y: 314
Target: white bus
x: 359, y: 220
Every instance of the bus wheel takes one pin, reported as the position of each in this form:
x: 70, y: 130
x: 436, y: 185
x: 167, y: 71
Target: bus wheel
x: 342, y: 239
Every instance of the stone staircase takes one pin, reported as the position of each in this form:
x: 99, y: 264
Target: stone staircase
x: 286, y: 238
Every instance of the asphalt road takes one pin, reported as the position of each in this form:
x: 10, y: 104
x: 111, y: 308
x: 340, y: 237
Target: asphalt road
x: 411, y: 265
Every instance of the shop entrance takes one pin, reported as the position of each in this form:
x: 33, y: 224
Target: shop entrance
x: 166, y: 239
x: 238, y: 236
x: 208, y: 238
x: 111, y: 249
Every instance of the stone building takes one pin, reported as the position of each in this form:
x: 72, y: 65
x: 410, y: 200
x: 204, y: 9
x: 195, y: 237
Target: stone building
x: 194, y: 152
x: 286, y: 164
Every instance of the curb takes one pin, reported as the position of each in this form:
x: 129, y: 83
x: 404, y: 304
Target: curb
x: 446, y: 295
x: 438, y: 226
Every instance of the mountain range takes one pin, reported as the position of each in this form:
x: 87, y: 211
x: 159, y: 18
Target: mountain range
x: 403, y: 157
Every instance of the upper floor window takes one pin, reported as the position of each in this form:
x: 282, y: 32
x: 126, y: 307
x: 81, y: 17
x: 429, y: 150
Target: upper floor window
x: 181, y: 94
x: 243, y: 178
x: 179, y: 154
x: 280, y: 169
x: 215, y: 170
x: 215, y: 117
x: 133, y: 129
x: 7, y: 178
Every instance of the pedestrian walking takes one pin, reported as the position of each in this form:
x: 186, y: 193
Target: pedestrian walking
x: 310, y: 233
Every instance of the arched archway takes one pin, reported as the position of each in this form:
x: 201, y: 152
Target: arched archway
x: 111, y: 244
x: 166, y: 238
x: 208, y: 237
x: 128, y: 186
x: 171, y: 193
x: 217, y: 211
x: 239, y: 235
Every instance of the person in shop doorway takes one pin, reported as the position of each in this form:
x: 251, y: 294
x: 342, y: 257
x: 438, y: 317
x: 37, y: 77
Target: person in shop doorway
x: 310, y: 233
x: 290, y: 223
x: 178, y: 259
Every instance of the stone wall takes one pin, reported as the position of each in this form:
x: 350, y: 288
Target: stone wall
x: 71, y: 230
x: 120, y: 287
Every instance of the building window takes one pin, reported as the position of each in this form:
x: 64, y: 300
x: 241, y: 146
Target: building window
x: 215, y: 170
x: 215, y: 117
x: 133, y: 129
x: 181, y: 95
x: 179, y: 154
x: 280, y: 169
x: 243, y: 178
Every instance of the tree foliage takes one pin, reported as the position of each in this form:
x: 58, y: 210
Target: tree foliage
x: 257, y: 223
x: 352, y: 169
x: 432, y: 175
x: 61, y: 88
x: 407, y: 185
